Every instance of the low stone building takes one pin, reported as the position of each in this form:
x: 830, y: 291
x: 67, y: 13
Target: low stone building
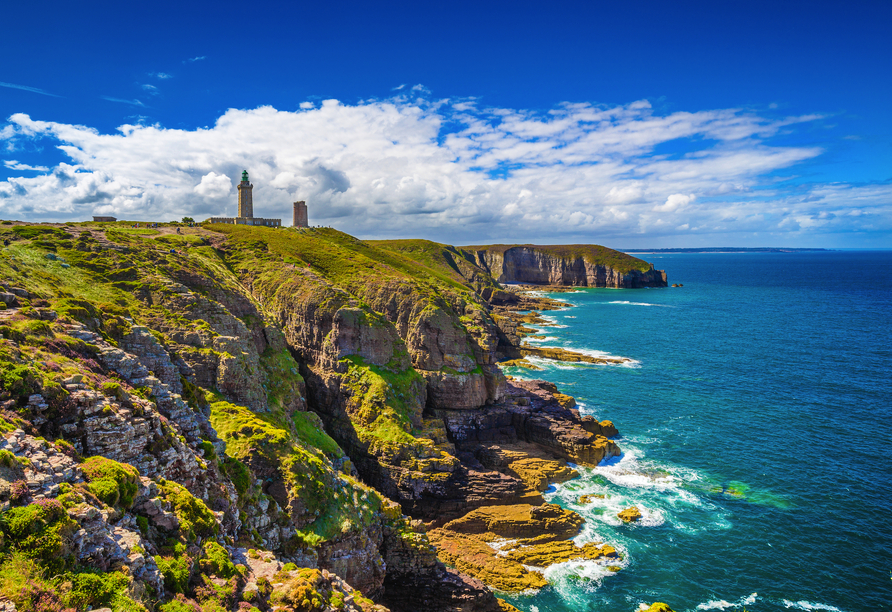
x: 104, y: 219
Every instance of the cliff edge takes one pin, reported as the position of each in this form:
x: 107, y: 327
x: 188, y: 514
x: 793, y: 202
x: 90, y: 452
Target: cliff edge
x: 575, y: 265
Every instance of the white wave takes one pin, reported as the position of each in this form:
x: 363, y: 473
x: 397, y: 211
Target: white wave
x: 550, y: 321
x: 545, y: 339
x: 569, y: 317
x: 715, y: 605
x: 500, y: 543
x: 807, y: 605
x: 628, y: 303
x: 721, y: 604
x: 583, y: 568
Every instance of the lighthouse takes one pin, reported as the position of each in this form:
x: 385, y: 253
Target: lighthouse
x: 245, y: 197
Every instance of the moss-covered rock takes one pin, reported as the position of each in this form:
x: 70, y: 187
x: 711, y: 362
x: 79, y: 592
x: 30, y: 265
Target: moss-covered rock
x: 176, y: 571
x: 217, y: 562
x: 195, y: 519
x: 114, y: 483
x: 41, y: 530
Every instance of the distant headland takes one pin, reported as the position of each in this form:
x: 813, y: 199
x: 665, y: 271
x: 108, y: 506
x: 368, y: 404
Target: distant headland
x: 724, y: 250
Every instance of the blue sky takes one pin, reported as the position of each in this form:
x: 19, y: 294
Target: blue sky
x: 628, y: 124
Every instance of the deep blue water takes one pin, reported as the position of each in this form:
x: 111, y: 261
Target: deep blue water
x: 756, y: 432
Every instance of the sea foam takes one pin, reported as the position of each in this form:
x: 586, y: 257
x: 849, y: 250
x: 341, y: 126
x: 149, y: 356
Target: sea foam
x: 628, y: 303
x: 807, y: 605
x: 721, y: 604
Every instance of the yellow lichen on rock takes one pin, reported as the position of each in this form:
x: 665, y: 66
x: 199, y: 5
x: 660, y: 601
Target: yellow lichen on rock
x: 609, y: 429
x: 630, y: 515
x: 475, y: 558
x: 587, y: 499
x: 655, y: 607
x: 519, y: 363
x: 504, y: 606
x: 543, y: 555
x: 519, y: 521
x: 567, y: 401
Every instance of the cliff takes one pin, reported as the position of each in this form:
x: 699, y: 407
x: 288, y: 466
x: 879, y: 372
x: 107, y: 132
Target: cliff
x: 277, y: 417
x: 568, y: 265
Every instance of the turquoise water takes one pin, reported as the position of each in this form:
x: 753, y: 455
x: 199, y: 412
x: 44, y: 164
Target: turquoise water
x: 756, y: 432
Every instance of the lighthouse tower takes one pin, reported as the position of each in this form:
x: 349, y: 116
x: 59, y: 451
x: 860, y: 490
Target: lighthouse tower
x: 245, y: 197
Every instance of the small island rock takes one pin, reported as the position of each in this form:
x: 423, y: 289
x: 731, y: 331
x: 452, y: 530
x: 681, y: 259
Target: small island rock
x: 630, y: 515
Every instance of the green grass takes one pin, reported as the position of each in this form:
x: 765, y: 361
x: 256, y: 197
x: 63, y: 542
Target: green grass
x: 283, y: 381
x: 308, y: 427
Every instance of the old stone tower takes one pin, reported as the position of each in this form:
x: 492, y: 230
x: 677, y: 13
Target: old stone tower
x: 245, y: 197
x: 300, y: 214
x: 246, y: 208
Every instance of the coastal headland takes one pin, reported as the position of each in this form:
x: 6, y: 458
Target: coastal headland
x: 241, y: 418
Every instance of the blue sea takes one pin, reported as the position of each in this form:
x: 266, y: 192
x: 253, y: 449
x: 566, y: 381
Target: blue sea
x: 755, y: 429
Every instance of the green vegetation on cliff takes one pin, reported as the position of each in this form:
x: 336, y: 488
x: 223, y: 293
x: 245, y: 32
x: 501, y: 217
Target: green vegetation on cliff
x: 592, y: 253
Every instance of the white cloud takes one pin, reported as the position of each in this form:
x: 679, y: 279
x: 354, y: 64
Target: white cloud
x: 133, y: 102
x: 26, y: 88
x: 15, y: 165
x: 675, y: 202
x: 150, y: 88
x: 453, y: 171
x: 307, y: 105
x: 196, y: 59
x: 213, y: 186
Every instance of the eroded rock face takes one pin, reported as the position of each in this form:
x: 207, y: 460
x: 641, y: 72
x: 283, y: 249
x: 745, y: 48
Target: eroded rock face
x: 100, y: 536
x: 531, y: 412
x: 529, y: 264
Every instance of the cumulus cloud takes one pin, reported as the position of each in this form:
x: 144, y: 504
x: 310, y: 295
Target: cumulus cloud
x: 213, y: 186
x: 675, y: 202
x: 455, y: 171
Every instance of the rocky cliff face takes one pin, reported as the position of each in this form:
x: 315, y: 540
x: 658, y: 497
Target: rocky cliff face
x: 255, y: 415
x: 578, y: 266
